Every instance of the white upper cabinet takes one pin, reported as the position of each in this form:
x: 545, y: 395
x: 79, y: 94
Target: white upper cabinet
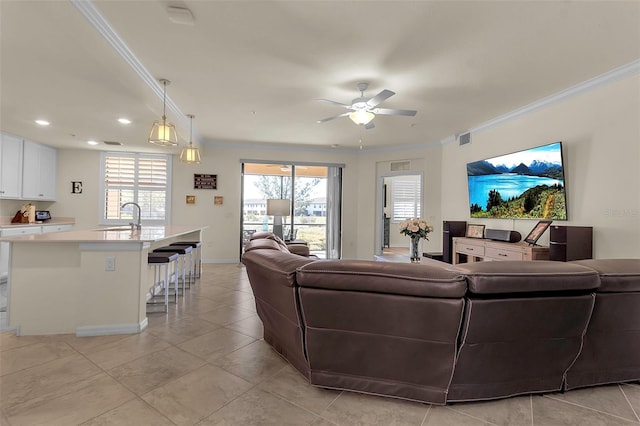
x: 39, y: 172
x: 10, y: 166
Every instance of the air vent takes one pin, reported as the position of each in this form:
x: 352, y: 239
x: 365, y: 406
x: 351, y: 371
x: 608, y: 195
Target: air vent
x: 113, y: 143
x: 465, y: 138
x: 399, y: 166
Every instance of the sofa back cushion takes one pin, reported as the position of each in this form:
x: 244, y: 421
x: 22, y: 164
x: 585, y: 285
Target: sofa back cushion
x: 264, y: 243
x: 616, y: 275
x: 383, y: 277
x: 527, y: 277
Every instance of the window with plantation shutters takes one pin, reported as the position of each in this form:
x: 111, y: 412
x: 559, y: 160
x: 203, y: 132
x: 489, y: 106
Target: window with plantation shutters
x: 405, y: 195
x: 139, y: 178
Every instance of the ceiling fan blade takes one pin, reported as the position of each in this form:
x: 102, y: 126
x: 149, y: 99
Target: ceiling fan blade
x: 369, y: 125
x: 334, y: 103
x: 333, y: 118
x: 387, y: 111
x: 385, y: 94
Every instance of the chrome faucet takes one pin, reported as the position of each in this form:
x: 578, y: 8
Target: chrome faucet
x: 138, y: 225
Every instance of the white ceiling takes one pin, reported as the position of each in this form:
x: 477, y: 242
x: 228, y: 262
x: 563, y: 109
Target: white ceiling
x: 251, y: 71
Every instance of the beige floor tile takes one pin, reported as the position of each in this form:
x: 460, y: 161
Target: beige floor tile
x: 254, y: 362
x: 633, y: 395
x: 135, y: 412
x: 444, y: 416
x: 156, y: 369
x: 290, y: 385
x: 259, y: 408
x: 607, y: 399
x: 235, y: 297
x: 216, y: 344
x: 251, y: 326
x: 552, y: 412
x: 31, y: 355
x: 87, y: 343
x: 351, y: 409
x: 45, y: 380
x: 196, y: 395
x: 178, y: 330
x: 224, y: 315
x: 3, y: 419
x: 94, y: 398
x: 124, y: 350
x: 503, y: 412
x: 9, y: 340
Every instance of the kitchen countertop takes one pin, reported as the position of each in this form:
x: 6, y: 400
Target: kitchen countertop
x: 109, y: 234
x: 5, y: 222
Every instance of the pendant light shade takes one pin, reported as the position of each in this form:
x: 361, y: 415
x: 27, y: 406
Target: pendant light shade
x: 189, y: 154
x: 163, y: 133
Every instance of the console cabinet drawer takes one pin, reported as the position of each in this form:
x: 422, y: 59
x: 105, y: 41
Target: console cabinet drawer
x: 470, y: 249
x: 499, y: 254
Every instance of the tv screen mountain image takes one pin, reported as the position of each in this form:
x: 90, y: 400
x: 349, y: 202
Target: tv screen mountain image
x: 527, y: 184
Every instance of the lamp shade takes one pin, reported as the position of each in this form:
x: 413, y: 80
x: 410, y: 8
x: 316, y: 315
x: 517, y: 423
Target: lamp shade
x: 190, y: 155
x: 361, y: 116
x: 163, y: 134
x: 278, y: 207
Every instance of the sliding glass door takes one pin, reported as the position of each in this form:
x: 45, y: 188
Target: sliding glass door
x: 314, y: 214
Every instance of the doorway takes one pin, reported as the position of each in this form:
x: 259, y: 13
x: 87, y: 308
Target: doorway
x: 400, y: 199
x: 314, y: 214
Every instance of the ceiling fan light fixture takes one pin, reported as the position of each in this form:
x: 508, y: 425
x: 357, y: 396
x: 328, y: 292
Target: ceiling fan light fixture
x: 162, y: 132
x: 190, y: 154
x: 361, y: 116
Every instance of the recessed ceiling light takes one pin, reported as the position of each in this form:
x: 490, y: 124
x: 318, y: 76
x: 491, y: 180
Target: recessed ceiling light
x: 92, y: 142
x: 42, y: 122
x: 124, y: 121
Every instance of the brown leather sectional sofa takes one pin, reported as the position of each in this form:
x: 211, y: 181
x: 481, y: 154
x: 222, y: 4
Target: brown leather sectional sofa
x: 438, y: 334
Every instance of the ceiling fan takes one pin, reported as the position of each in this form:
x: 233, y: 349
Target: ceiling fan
x: 363, y: 110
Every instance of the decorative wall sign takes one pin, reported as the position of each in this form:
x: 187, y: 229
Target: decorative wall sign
x: 218, y: 200
x: 191, y: 199
x: 76, y: 187
x: 202, y: 181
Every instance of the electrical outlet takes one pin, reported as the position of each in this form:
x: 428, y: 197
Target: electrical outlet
x: 110, y: 264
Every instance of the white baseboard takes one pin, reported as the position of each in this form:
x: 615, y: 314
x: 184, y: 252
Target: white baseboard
x: 103, y: 330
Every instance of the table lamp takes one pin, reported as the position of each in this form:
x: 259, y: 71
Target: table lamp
x: 277, y: 208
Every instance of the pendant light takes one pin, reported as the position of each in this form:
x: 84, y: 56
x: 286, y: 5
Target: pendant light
x: 163, y: 133
x: 189, y: 154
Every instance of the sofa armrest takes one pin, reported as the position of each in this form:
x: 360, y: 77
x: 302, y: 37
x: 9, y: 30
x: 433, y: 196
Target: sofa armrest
x: 383, y: 277
x: 274, y: 265
x: 503, y: 277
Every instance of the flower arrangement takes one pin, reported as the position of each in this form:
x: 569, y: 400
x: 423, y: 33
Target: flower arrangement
x: 416, y: 228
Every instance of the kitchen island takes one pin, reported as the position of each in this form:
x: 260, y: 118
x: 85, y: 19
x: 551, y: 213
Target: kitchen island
x: 92, y: 282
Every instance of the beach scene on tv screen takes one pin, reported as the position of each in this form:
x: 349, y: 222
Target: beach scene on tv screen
x: 527, y: 184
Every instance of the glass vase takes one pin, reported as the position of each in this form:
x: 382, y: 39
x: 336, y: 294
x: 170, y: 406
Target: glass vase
x: 415, y: 250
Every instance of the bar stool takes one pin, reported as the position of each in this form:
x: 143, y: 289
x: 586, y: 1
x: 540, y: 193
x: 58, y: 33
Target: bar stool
x: 160, y: 260
x: 197, y: 262
x: 183, y: 251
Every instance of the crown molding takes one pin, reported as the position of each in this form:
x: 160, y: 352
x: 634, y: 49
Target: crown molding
x: 580, y: 88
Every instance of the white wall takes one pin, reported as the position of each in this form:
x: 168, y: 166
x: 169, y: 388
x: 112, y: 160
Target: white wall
x: 600, y: 131
x: 221, y: 238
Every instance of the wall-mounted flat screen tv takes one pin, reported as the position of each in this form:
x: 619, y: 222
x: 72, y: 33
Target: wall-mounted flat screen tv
x: 526, y: 184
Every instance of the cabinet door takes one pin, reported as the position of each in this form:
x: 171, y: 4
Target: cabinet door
x: 31, y: 171
x: 39, y: 172
x: 48, y: 158
x: 10, y: 167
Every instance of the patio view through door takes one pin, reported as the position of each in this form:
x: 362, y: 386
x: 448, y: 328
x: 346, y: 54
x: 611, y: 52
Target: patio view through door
x: 315, y: 208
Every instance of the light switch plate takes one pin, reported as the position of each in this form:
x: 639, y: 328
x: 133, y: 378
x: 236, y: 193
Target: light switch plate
x: 110, y: 264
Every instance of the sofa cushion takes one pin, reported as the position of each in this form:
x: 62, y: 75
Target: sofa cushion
x: 527, y: 276
x: 383, y: 277
x: 264, y: 243
x: 616, y: 275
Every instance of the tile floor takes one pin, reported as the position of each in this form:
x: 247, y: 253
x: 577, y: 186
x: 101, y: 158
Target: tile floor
x: 205, y: 364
